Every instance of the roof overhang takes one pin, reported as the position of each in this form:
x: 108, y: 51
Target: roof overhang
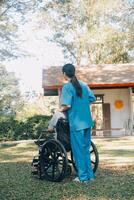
x: 53, y: 89
x: 96, y: 76
x: 95, y: 85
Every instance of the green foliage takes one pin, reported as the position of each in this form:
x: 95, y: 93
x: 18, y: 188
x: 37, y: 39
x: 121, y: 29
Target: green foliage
x: 92, y: 31
x: 43, y: 105
x: 7, y: 128
x: 88, y: 31
x: 29, y: 121
x: 28, y: 129
x: 13, y: 14
x: 10, y: 98
x: 32, y: 127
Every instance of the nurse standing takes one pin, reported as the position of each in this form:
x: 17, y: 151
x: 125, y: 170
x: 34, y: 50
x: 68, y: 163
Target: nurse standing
x: 75, y: 99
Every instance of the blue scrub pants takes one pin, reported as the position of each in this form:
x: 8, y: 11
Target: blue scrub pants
x: 80, y: 144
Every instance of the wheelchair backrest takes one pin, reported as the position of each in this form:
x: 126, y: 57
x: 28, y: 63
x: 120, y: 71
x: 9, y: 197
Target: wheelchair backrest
x: 63, y: 133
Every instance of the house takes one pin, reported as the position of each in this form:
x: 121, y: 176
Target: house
x: 113, y: 86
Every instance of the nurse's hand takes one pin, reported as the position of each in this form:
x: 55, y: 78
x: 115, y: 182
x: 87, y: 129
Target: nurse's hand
x: 64, y: 108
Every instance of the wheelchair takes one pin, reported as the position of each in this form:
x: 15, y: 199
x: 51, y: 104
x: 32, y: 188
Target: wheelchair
x: 55, y: 160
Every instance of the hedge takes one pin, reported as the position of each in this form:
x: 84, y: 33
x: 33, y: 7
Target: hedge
x: 31, y: 128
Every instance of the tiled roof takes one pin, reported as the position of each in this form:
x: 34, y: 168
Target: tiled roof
x: 93, y: 75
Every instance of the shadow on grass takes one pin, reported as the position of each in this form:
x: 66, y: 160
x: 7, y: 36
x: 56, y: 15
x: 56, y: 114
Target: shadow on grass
x: 116, y: 139
x: 5, y: 157
x: 119, y: 152
x: 14, y: 152
x: 18, y: 183
x: 7, y: 145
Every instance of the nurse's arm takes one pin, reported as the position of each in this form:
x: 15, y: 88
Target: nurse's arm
x: 92, y: 98
x: 64, y: 108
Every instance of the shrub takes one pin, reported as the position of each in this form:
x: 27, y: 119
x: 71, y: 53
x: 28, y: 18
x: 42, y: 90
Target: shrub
x: 28, y: 129
x: 32, y: 127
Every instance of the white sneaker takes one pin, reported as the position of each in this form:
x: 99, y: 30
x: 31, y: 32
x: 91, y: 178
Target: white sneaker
x: 78, y: 180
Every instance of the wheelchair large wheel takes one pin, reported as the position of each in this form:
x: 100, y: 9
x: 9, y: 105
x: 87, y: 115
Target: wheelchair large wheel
x: 53, y: 161
x: 93, y: 155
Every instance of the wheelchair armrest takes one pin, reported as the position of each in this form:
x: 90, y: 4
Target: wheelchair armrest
x: 40, y: 142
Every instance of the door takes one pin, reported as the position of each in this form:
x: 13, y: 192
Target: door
x: 106, y: 119
x: 97, y: 115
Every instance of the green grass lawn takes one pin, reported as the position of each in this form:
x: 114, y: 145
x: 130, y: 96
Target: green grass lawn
x: 114, y: 178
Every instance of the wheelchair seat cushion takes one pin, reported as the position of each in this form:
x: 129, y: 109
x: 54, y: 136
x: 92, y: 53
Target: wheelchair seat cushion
x: 63, y: 133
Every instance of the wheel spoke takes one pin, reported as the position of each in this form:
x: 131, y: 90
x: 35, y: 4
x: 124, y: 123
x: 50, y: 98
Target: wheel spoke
x: 92, y: 162
x: 54, y: 160
x: 60, y: 161
x: 53, y: 171
x: 46, y: 168
x: 92, y: 151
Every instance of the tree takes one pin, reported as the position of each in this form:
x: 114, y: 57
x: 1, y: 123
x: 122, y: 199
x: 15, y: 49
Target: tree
x: 128, y: 25
x: 13, y: 16
x: 39, y: 106
x: 90, y: 30
x: 10, y: 97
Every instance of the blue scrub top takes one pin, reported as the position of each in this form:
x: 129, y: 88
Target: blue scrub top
x: 79, y: 115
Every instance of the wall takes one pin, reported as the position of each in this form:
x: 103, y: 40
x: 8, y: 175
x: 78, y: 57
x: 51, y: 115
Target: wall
x: 118, y: 116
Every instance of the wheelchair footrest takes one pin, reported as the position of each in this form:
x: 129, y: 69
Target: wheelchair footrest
x: 35, y: 165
